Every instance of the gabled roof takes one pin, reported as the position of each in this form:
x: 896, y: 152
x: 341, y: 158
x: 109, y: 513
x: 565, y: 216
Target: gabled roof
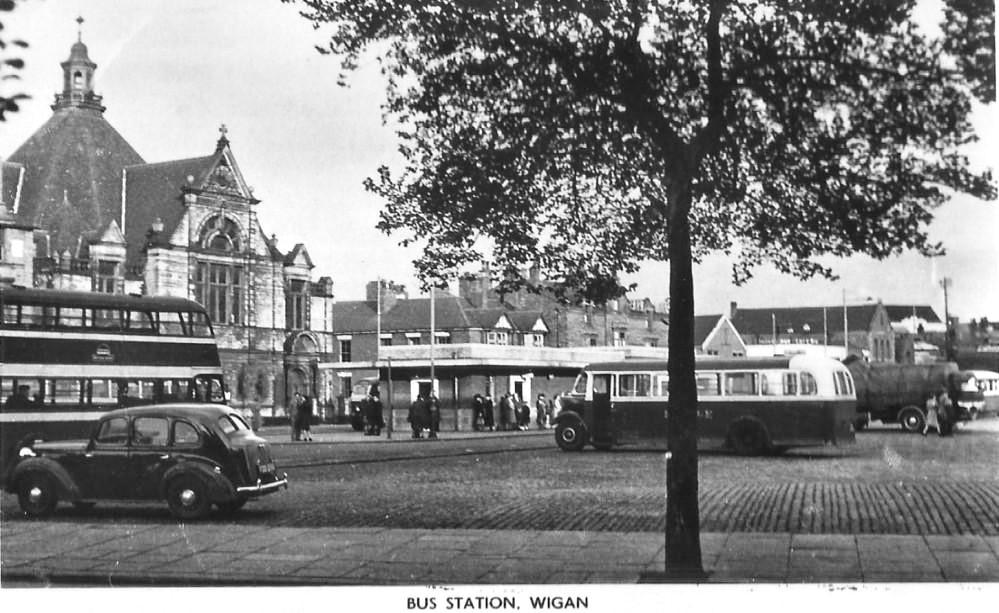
x: 297, y: 251
x: 155, y: 190
x: 703, y: 326
x: 525, y: 321
x: 74, y: 159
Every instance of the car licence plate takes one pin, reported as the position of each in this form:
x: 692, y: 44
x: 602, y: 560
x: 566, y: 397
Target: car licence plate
x: 266, y: 468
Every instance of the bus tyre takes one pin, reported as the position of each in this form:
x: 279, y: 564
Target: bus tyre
x: 36, y: 494
x: 188, y: 497
x: 570, y: 436
x: 748, y: 437
x: 912, y: 419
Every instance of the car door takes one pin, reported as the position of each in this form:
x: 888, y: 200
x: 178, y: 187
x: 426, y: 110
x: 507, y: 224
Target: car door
x: 151, y: 455
x: 104, y: 470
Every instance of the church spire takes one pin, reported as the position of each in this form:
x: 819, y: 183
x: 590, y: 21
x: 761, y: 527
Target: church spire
x: 78, y: 78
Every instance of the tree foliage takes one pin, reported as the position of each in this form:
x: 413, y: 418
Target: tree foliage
x: 9, y: 65
x: 589, y: 136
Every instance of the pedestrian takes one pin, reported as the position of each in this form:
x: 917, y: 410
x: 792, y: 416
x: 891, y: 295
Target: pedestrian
x: 305, y: 412
x: 296, y: 403
x: 419, y: 416
x: 478, y: 421
x: 946, y: 413
x: 932, y: 416
x: 541, y: 412
x: 488, y: 417
x: 523, y: 413
x: 377, y: 412
x: 435, y: 415
x: 506, y: 416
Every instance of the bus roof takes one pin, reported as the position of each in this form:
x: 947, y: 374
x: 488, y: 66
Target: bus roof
x: 25, y: 295
x: 702, y: 362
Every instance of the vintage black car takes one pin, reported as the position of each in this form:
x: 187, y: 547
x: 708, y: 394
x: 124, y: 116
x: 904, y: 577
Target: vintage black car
x: 191, y: 455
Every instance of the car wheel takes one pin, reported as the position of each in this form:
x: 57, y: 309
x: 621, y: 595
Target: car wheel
x: 188, y: 498
x: 912, y: 419
x: 570, y: 436
x: 228, y: 508
x: 36, y: 493
x: 748, y: 438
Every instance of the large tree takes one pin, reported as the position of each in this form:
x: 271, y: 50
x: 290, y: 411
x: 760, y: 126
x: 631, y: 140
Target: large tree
x: 9, y: 66
x: 590, y: 136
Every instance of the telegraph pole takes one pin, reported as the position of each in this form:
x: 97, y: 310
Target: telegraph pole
x: 948, y: 340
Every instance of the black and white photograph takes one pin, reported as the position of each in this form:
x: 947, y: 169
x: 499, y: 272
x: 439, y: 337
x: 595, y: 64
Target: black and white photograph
x: 499, y: 305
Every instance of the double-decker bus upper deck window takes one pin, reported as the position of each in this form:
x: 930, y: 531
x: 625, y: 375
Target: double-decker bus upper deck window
x: 141, y: 321
x: 71, y: 317
x: 198, y: 324
x: 707, y: 384
x: 741, y: 384
x: 809, y: 387
x: 170, y: 324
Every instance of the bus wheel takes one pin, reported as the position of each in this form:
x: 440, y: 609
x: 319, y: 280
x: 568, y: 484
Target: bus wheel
x: 912, y: 419
x: 570, y: 436
x: 36, y: 494
x: 748, y: 438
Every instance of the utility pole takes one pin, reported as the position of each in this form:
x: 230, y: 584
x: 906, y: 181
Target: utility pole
x: 948, y: 339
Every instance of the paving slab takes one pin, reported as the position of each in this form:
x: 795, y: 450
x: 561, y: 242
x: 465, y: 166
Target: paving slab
x: 968, y: 566
x: 823, y: 542
x: 957, y: 542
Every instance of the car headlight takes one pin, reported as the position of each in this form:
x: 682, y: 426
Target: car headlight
x: 26, y: 452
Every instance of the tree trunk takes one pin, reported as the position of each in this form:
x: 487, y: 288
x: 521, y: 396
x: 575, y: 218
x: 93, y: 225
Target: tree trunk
x: 683, y: 544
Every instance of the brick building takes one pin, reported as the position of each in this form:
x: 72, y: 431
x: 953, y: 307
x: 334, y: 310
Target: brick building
x: 108, y: 221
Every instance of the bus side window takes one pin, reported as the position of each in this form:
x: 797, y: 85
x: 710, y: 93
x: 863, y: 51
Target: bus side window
x: 661, y: 388
x: 809, y: 387
x: 31, y: 316
x: 9, y: 317
x: 627, y: 385
x: 170, y: 323
x: 198, y: 324
x: 790, y: 384
x: 140, y: 321
x: 707, y: 384
x: 741, y: 384
x: 108, y: 319
x: 601, y: 384
x: 70, y: 317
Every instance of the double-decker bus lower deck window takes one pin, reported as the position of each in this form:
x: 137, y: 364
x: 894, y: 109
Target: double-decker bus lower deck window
x: 9, y: 315
x: 579, y: 387
x: 741, y: 384
x: 64, y: 391
x: 779, y: 383
x: 637, y: 385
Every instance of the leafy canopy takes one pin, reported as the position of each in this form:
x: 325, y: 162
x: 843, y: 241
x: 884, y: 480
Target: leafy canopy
x: 557, y: 130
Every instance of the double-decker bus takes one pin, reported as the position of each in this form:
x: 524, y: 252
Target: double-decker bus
x: 67, y: 357
x: 751, y: 405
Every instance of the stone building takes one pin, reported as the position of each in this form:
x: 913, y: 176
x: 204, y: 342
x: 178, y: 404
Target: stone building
x: 111, y: 222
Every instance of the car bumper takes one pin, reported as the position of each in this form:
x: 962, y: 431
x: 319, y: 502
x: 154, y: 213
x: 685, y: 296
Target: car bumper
x: 262, y: 488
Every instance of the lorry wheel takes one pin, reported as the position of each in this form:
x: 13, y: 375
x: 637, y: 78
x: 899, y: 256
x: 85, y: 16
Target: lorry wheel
x: 748, y: 437
x: 912, y: 419
x: 570, y: 436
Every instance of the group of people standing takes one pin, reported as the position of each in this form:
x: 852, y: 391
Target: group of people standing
x: 425, y: 414
x: 940, y: 413
x: 514, y: 413
x: 372, y: 412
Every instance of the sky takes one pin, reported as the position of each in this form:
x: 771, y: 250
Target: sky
x: 172, y: 71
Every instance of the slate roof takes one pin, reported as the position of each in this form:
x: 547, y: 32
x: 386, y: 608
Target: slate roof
x: 898, y: 312
x: 154, y: 190
x: 703, y: 326
x: 759, y: 321
x: 72, y: 180
x: 10, y: 176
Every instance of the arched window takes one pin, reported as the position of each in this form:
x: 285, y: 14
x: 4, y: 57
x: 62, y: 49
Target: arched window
x: 220, y: 234
x: 77, y: 79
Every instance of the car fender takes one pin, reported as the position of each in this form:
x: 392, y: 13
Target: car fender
x: 67, y: 488
x: 220, y: 489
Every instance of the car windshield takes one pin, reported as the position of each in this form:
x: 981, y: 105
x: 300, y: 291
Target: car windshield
x: 231, y: 423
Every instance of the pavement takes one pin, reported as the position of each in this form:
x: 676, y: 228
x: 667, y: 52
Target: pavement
x: 230, y: 554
